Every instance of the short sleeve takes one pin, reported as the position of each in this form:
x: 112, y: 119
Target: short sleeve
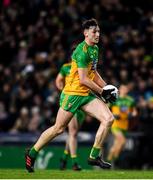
x: 62, y: 71
x: 82, y: 59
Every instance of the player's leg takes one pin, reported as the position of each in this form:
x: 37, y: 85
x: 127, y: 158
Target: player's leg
x: 71, y: 145
x: 73, y: 128
x: 100, y: 111
x: 118, y: 145
x: 65, y: 156
x: 71, y: 103
x: 62, y: 120
x: 121, y: 144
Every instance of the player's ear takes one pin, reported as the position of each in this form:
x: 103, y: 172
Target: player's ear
x: 85, y: 32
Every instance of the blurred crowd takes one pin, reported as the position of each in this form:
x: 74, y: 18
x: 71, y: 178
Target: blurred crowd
x: 36, y: 38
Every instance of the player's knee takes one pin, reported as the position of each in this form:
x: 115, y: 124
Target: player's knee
x: 120, y: 143
x: 110, y: 120
x: 123, y: 141
x: 73, y: 131
x: 59, y: 129
x: 73, y: 134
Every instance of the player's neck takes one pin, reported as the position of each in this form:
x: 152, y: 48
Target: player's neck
x: 122, y: 95
x: 89, y: 43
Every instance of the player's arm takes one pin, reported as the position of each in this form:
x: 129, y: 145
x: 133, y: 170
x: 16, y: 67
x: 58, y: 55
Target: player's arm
x: 60, y: 81
x: 82, y: 64
x: 106, y: 94
x: 98, y: 80
x: 84, y: 80
x: 133, y: 114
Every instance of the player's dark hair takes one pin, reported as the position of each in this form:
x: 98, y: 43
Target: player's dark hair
x: 88, y: 23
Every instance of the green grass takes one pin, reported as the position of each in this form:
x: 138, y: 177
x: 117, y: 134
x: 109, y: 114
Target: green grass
x: 69, y: 174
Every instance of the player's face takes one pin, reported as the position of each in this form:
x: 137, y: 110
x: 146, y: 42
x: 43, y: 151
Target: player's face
x: 92, y: 35
x: 123, y: 90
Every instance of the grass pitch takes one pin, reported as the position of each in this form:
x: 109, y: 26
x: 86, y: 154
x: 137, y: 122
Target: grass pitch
x: 69, y: 174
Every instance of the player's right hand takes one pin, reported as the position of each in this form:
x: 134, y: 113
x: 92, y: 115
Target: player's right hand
x: 109, y: 94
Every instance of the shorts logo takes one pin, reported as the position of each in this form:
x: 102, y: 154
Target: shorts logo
x: 69, y: 105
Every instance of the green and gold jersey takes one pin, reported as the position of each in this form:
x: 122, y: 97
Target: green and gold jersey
x: 84, y: 56
x: 121, y: 109
x: 65, y: 70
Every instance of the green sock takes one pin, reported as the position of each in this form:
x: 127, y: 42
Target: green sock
x: 94, y: 152
x: 65, y: 155
x: 74, y: 159
x: 33, y: 153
